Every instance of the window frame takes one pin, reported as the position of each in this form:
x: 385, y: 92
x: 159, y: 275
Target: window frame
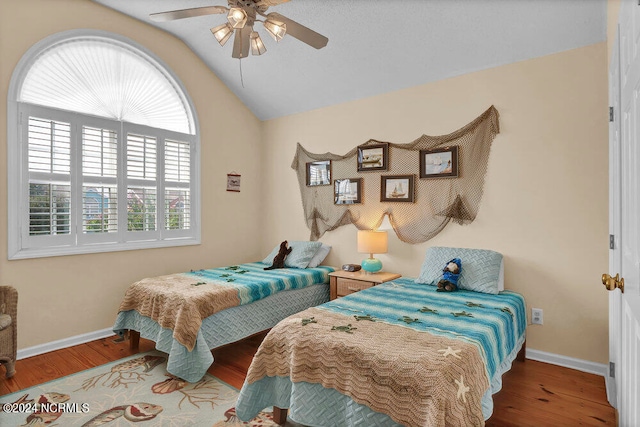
x: 21, y: 244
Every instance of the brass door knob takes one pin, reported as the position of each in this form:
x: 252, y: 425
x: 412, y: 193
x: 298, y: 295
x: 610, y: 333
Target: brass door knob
x: 613, y: 282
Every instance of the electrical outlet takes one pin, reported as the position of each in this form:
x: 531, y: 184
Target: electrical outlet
x: 536, y: 316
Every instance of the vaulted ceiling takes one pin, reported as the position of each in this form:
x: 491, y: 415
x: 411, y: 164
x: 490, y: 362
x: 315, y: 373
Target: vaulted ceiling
x: 378, y: 46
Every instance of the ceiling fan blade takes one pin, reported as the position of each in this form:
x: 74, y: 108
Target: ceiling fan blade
x: 269, y: 3
x: 187, y: 13
x: 241, y: 42
x: 302, y: 33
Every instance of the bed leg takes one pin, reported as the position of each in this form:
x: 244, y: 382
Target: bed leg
x: 522, y: 353
x: 134, y: 340
x: 279, y: 415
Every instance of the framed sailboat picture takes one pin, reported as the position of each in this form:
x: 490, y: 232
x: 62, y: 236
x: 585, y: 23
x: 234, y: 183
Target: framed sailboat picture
x: 347, y: 191
x: 397, y: 188
x: 439, y: 163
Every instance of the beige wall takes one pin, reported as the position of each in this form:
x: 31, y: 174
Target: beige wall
x: 542, y: 206
x: 545, y: 200
x: 65, y: 296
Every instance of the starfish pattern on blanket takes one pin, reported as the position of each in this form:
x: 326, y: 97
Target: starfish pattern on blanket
x: 462, y: 314
x: 473, y: 304
x: 449, y: 351
x: 505, y: 310
x: 348, y: 328
x: 394, y: 284
x: 408, y: 320
x: 305, y: 322
x: 462, y: 389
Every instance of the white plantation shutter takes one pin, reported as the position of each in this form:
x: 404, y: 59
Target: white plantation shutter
x: 108, y: 143
x: 142, y: 189
x: 49, y: 146
x: 49, y: 166
x: 99, y: 180
x: 177, y: 176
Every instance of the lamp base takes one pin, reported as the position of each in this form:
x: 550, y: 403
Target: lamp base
x: 371, y: 265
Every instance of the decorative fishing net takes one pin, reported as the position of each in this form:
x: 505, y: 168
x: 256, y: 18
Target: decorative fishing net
x: 438, y: 200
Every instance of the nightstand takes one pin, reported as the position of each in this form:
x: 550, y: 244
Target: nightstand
x: 343, y: 283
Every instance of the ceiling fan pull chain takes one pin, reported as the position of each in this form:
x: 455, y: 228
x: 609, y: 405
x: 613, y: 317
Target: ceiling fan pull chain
x: 241, y: 79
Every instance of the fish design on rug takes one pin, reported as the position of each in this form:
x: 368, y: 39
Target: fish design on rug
x: 50, y: 397
x: 149, y: 362
x: 38, y: 418
x: 41, y: 419
x: 137, y: 412
x: 262, y: 419
x: 125, y: 373
x: 169, y: 385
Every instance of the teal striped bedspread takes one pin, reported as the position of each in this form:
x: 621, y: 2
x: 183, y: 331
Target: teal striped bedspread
x: 494, y: 324
x: 253, y: 283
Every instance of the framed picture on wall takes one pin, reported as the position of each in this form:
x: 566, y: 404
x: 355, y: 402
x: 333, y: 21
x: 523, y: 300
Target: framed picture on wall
x: 397, y: 188
x: 373, y: 157
x: 347, y: 191
x: 439, y: 163
x: 319, y: 173
x: 233, y: 182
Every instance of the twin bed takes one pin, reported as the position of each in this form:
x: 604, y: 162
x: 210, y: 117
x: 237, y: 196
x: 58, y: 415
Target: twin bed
x: 399, y: 353
x: 189, y: 314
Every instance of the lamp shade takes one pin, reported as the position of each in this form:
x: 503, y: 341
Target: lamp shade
x: 275, y: 28
x: 372, y: 242
x: 257, y: 47
x: 222, y: 33
x: 237, y: 17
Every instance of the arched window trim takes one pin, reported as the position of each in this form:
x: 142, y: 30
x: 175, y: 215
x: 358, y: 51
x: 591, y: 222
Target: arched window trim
x: 17, y: 160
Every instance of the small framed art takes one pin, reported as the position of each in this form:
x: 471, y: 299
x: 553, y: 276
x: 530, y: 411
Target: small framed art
x: 319, y: 173
x: 233, y: 182
x: 397, y: 188
x: 439, y: 163
x: 347, y: 191
x: 373, y: 157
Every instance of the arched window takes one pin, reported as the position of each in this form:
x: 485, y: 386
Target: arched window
x: 102, y: 148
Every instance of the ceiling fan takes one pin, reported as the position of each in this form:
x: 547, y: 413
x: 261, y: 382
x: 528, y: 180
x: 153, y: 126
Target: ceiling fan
x: 241, y: 17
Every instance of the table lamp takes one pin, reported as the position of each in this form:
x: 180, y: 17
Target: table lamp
x: 372, y: 242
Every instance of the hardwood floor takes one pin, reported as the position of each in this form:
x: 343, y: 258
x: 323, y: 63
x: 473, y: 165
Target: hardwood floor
x: 533, y: 393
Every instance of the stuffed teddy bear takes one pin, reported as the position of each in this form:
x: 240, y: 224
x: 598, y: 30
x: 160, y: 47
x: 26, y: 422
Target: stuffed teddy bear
x: 450, y: 275
x: 278, y: 261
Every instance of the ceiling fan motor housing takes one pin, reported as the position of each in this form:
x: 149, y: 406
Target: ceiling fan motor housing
x: 257, y: 5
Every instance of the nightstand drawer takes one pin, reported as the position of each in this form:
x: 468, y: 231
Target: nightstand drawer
x: 346, y: 286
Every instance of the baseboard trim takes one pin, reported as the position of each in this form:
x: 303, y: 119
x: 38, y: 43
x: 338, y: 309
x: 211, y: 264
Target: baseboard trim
x: 63, y: 343
x: 568, y: 362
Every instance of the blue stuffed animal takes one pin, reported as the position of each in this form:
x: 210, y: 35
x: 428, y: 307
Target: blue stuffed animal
x: 450, y: 275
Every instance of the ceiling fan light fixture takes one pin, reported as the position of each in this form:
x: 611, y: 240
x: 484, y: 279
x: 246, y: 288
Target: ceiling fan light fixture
x: 257, y: 46
x: 222, y: 33
x: 237, y: 17
x: 275, y: 28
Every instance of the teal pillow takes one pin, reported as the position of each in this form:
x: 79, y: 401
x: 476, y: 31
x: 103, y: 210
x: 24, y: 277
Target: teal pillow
x: 301, y: 253
x: 480, y: 268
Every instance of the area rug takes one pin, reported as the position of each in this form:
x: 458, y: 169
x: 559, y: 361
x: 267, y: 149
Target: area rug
x: 136, y: 389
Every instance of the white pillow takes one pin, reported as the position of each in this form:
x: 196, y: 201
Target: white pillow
x: 501, y: 277
x: 320, y: 255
